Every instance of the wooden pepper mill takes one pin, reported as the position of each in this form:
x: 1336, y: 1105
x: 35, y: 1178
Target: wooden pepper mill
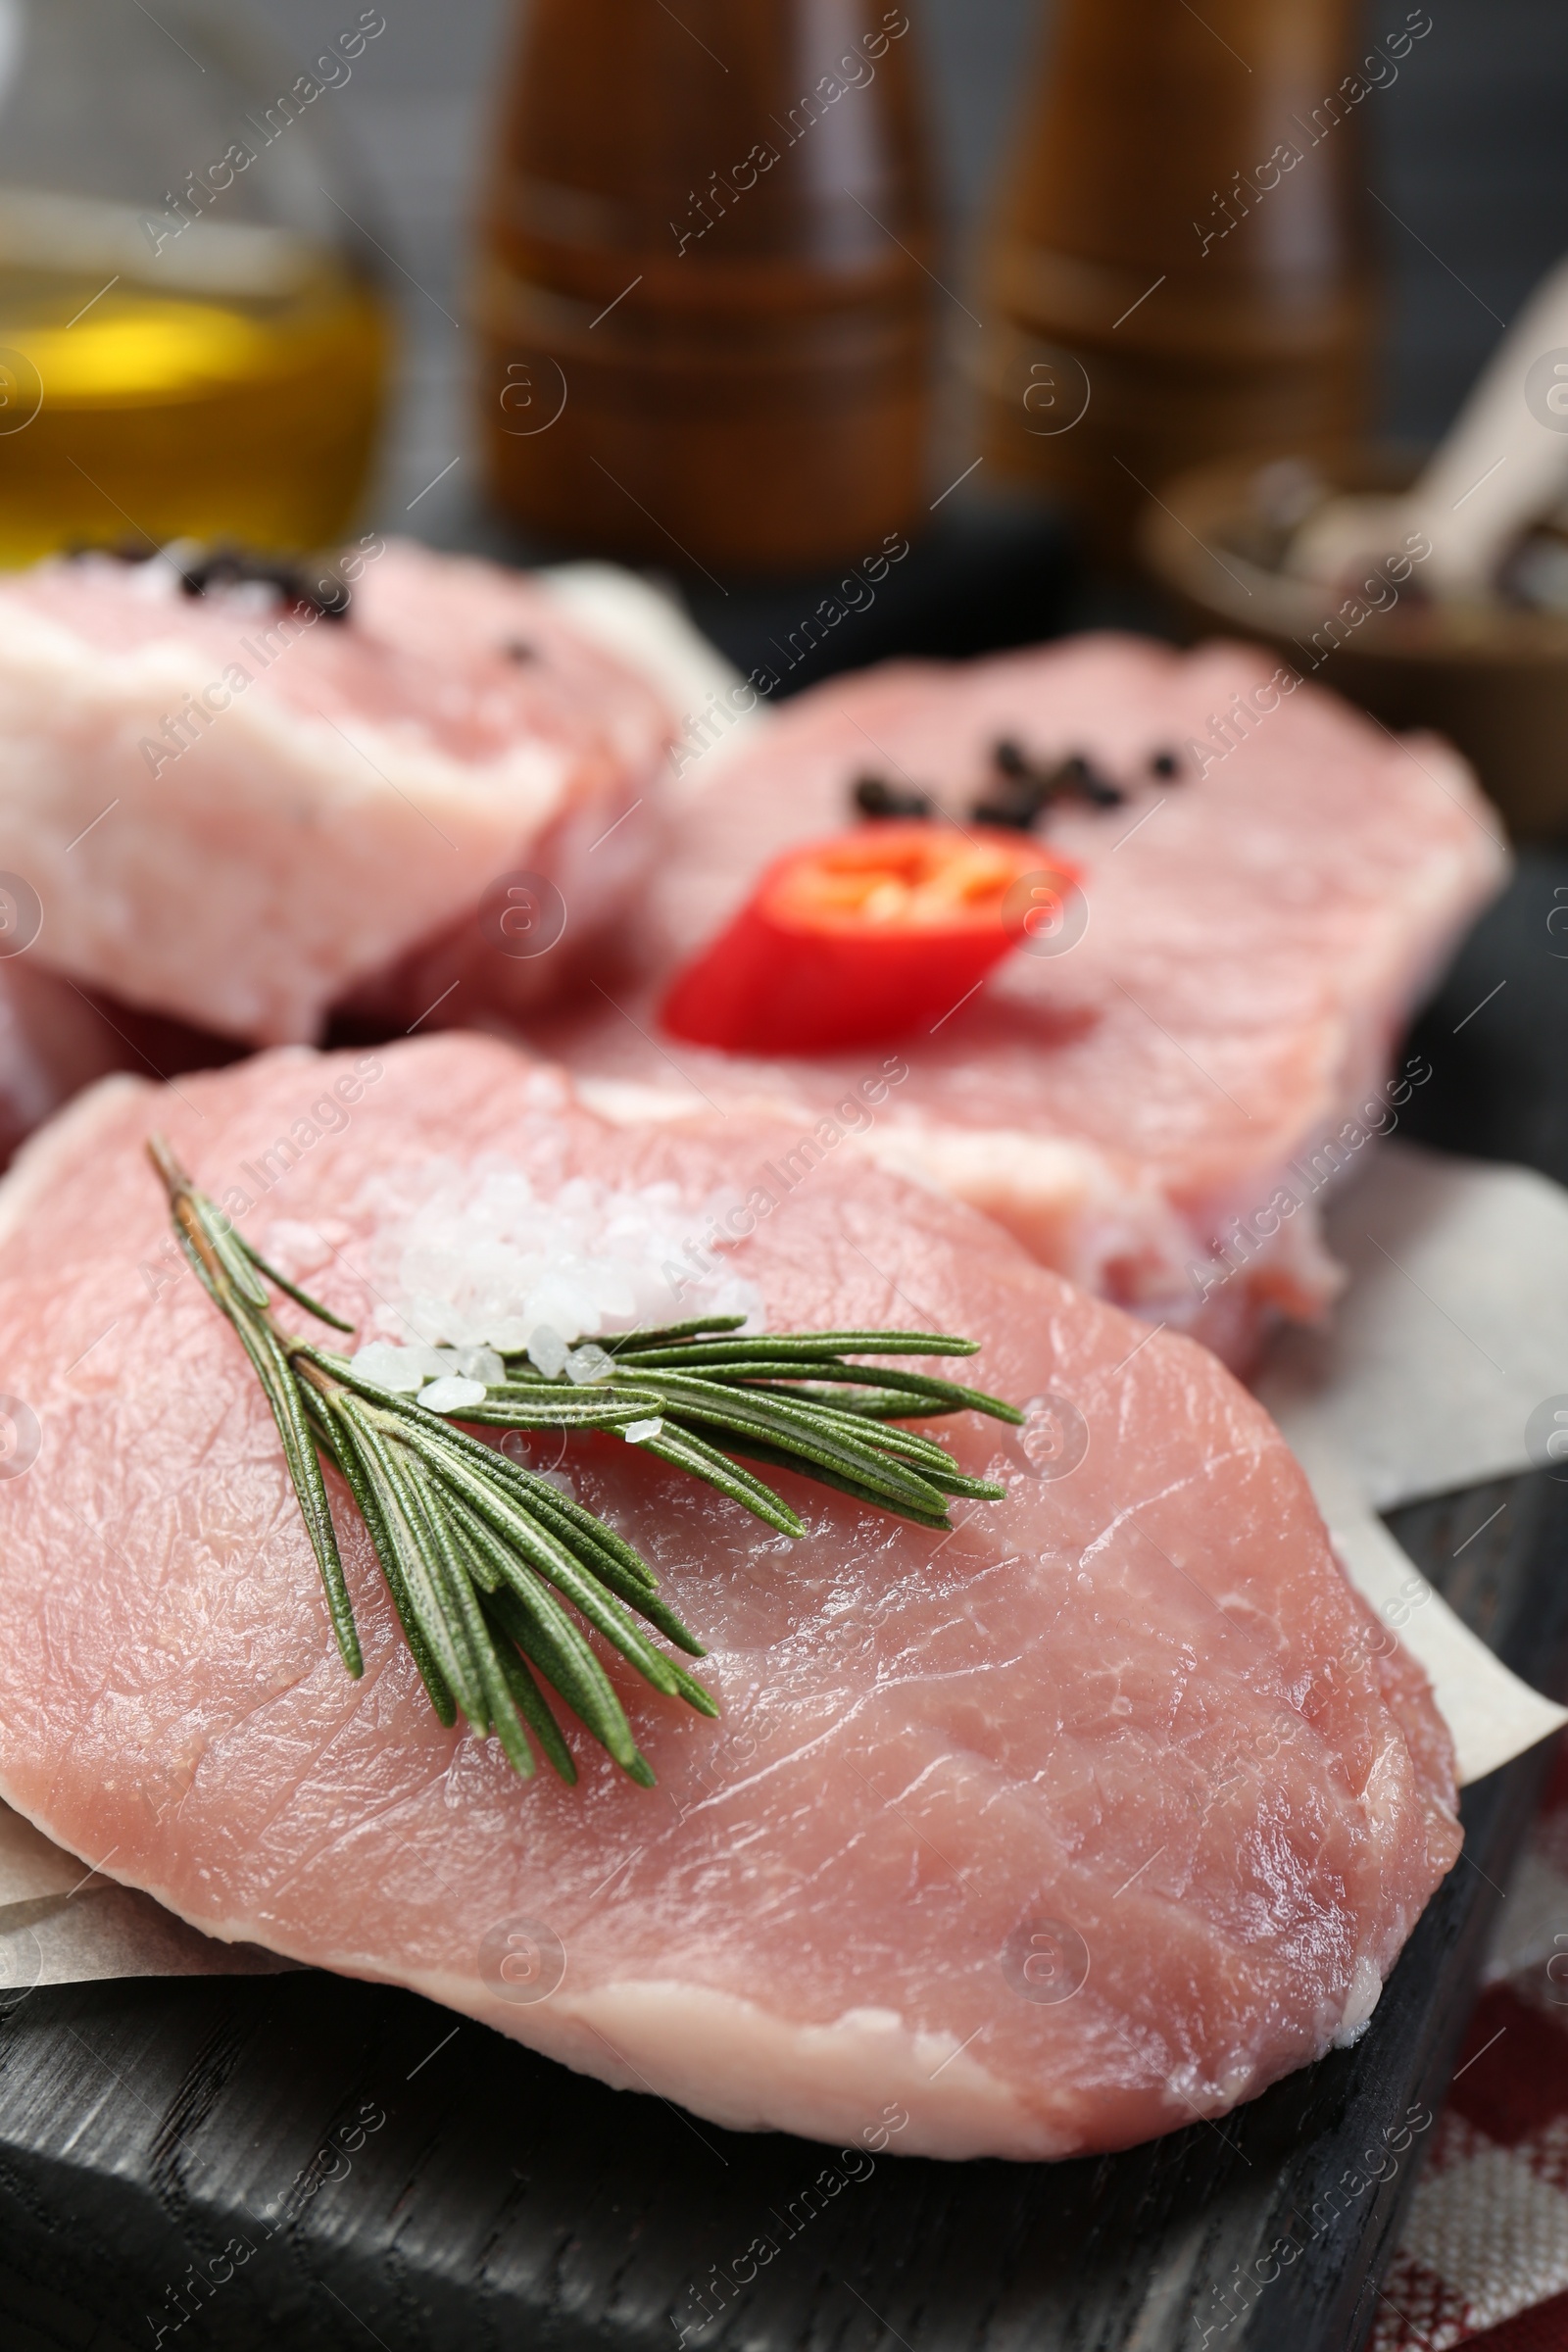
x: 704, y: 320
x: 1179, y: 268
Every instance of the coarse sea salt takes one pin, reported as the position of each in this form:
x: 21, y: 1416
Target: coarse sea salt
x: 450, y: 1394
x: 486, y: 1265
x: 406, y: 1369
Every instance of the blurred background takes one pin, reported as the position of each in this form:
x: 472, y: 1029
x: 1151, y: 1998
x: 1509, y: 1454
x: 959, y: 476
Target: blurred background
x: 1466, y: 148
x: 1146, y: 313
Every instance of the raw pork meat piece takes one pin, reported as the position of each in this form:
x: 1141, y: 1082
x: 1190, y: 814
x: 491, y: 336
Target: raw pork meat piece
x: 1258, y: 932
x: 1052, y: 1833
x: 241, y: 814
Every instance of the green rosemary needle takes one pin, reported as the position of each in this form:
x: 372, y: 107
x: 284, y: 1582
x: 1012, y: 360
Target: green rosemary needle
x: 482, y: 1556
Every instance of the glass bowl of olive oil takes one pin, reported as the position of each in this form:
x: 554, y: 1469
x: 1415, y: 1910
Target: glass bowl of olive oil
x: 193, y: 342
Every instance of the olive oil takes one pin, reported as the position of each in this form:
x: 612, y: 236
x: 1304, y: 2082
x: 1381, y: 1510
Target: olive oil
x: 227, y: 388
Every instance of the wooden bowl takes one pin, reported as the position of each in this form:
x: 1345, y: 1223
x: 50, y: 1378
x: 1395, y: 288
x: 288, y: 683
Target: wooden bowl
x: 1494, y: 677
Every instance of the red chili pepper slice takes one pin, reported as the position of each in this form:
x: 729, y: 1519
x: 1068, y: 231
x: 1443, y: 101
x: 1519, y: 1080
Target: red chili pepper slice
x: 859, y: 940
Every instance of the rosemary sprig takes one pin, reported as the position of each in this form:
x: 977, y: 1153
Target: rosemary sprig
x: 480, y: 1554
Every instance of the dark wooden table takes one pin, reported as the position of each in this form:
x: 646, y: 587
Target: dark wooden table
x: 304, y: 2162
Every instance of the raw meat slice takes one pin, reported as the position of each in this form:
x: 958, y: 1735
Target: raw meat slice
x: 1130, y: 1109
x: 1131, y: 1722
x: 240, y: 814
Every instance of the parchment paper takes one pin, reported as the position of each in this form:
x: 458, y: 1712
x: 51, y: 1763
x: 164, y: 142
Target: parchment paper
x: 1452, y: 1335
x: 63, y: 1923
x: 1443, y: 1367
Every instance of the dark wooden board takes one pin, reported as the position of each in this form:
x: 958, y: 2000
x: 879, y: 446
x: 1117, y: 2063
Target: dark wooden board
x: 147, y: 2127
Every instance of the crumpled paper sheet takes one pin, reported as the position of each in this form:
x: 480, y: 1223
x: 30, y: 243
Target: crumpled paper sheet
x: 1453, y: 1333
x: 1443, y: 1367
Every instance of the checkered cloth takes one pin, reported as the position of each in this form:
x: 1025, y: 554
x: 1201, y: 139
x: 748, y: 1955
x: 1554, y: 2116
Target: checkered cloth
x: 1484, y: 2260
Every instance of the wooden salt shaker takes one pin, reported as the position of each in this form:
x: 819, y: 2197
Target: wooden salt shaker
x: 704, y: 327
x: 1179, y: 266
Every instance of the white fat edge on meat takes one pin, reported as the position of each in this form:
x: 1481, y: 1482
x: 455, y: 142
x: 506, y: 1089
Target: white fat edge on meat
x: 714, y: 706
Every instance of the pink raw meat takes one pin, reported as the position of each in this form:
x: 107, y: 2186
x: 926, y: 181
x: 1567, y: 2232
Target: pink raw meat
x: 241, y: 816
x: 1127, y: 1739
x: 1257, y: 934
